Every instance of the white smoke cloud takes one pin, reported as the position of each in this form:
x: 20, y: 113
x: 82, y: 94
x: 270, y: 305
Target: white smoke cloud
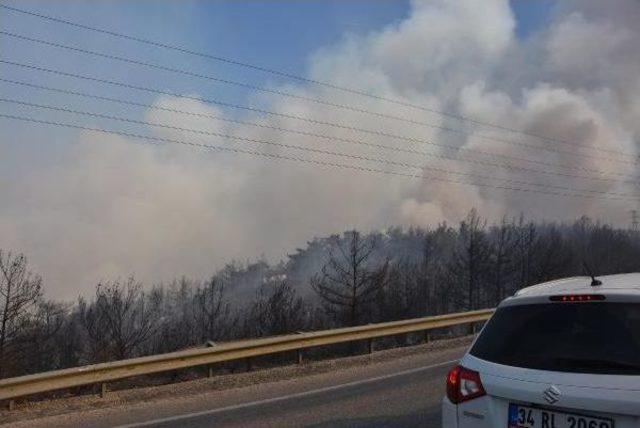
x: 113, y: 207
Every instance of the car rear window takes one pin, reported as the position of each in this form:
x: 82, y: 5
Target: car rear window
x: 593, y: 337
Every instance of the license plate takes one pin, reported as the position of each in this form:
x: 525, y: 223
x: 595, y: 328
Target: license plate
x: 533, y: 417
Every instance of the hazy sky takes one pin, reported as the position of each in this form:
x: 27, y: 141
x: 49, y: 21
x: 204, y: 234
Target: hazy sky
x: 87, y: 206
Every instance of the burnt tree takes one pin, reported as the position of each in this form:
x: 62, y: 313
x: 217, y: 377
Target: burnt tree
x: 349, y: 281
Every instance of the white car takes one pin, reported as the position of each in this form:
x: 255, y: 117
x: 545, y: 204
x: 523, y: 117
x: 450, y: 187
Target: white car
x: 563, y: 354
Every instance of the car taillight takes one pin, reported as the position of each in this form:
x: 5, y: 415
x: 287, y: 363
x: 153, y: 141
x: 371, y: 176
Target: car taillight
x: 463, y: 385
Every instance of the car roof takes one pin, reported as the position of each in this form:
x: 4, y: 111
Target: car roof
x: 628, y: 283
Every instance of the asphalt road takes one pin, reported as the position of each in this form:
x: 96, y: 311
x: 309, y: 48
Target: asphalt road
x: 410, y: 398
x: 403, y: 392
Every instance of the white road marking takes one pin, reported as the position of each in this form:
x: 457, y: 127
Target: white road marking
x: 285, y: 397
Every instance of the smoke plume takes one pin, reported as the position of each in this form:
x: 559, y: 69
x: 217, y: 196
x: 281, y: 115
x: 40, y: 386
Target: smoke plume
x: 110, y: 206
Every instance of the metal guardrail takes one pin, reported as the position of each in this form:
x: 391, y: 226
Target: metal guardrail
x: 101, y: 373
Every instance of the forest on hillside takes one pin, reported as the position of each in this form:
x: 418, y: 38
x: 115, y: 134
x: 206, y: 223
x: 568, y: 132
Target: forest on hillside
x: 340, y: 280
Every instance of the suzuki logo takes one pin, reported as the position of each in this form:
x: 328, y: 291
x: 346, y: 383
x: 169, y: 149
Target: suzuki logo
x: 551, y: 394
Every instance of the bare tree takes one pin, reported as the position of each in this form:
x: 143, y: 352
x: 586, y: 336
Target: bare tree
x: 435, y: 279
x: 70, y: 339
x: 173, y: 310
x: 348, y: 281
x: 504, y: 243
x: 94, y: 329
x: 20, y: 291
x: 527, y: 239
x: 425, y: 274
x: 277, y: 310
x: 554, y: 257
x: 437, y: 249
x: 127, y: 318
x: 212, y: 310
x: 180, y: 327
x: 42, y: 336
x: 401, y: 297
x: 469, y: 266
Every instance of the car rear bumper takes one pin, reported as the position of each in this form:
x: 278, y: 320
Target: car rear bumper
x: 449, y: 414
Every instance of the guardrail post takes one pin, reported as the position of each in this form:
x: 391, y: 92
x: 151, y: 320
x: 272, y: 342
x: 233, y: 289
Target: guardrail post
x: 370, y: 345
x: 210, y: 370
x: 249, y: 364
x: 12, y: 405
x: 471, y: 329
x: 427, y: 336
x: 103, y: 389
x: 299, y: 355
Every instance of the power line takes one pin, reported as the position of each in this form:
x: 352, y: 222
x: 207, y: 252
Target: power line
x: 304, y: 160
x: 305, y: 119
x: 318, y: 101
x: 310, y: 150
x: 310, y: 134
x: 284, y: 74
